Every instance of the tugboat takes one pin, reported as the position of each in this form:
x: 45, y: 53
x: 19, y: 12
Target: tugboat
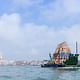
x: 63, y: 58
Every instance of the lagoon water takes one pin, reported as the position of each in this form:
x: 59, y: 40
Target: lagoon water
x: 37, y: 73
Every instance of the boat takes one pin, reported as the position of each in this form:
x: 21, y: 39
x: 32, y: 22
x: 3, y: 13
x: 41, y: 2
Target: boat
x: 60, y: 62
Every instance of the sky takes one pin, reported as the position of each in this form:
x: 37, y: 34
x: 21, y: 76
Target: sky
x: 30, y: 29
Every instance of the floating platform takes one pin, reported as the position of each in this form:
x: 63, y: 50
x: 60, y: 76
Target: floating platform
x: 62, y: 62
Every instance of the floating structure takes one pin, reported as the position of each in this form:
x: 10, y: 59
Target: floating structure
x: 63, y: 57
x: 61, y: 53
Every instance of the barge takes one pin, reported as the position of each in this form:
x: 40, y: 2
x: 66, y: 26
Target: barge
x: 63, y: 58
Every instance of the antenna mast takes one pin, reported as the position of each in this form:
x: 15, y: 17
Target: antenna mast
x: 76, y: 47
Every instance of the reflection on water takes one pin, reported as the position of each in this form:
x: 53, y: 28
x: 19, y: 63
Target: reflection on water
x: 66, y: 74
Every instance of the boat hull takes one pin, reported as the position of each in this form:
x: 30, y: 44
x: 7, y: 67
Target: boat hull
x: 59, y: 66
x: 52, y: 65
x: 49, y: 65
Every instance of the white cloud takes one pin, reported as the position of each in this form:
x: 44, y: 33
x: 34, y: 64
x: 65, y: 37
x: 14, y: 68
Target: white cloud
x: 45, y: 12
x: 60, y: 10
x: 72, y: 6
x: 9, y: 26
x: 53, y: 11
x: 32, y: 41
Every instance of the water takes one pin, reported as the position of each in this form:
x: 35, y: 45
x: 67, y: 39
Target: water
x: 37, y: 73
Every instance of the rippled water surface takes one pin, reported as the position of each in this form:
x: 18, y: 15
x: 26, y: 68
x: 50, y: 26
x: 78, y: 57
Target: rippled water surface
x: 37, y: 73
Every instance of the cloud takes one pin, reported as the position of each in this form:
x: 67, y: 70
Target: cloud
x: 72, y: 6
x: 60, y: 12
x: 9, y: 26
x: 31, y: 41
x: 51, y: 12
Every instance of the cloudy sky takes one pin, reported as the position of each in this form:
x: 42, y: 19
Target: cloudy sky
x: 30, y: 29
